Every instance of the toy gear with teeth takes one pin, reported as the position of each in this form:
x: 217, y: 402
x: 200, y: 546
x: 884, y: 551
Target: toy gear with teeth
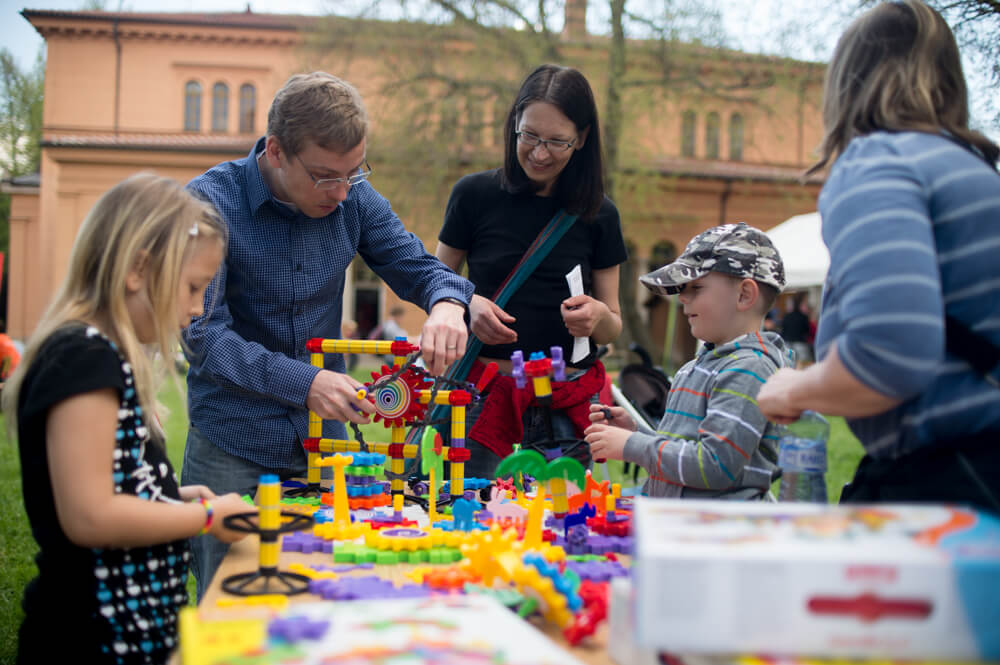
x: 395, y: 398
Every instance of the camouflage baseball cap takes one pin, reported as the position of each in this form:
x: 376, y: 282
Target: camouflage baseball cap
x: 733, y: 249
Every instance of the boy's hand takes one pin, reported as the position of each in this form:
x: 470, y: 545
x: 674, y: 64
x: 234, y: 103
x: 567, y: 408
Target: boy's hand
x: 606, y: 441
x: 611, y: 415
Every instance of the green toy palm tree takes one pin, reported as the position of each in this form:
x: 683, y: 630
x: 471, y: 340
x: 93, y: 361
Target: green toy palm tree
x: 556, y: 472
x: 523, y: 461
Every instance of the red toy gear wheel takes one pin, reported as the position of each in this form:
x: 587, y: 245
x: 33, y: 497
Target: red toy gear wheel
x: 396, y: 402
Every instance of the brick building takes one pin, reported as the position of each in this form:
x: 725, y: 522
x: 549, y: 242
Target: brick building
x: 178, y: 93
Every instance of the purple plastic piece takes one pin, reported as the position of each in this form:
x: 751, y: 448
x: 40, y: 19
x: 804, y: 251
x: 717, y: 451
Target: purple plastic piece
x: 596, y: 544
x: 517, y: 368
x: 344, y: 568
x: 294, y: 629
x: 597, y: 571
x: 558, y: 364
x: 362, y: 588
x: 302, y: 541
x: 579, y: 517
x: 576, y: 535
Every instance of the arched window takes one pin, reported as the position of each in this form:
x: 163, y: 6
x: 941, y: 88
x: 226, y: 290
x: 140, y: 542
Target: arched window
x: 688, y: 120
x: 220, y: 107
x: 192, y: 106
x: 736, y: 137
x: 712, y: 135
x: 248, y: 106
x: 473, y: 129
x: 663, y: 252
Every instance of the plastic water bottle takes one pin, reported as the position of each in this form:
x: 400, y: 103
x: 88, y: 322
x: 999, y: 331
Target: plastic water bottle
x: 802, y: 458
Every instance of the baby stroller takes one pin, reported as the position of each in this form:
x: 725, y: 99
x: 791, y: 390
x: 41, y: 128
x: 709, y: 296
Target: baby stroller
x: 642, y: 391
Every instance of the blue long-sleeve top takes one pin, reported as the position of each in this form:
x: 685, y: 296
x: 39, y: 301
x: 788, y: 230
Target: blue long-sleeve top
x: 281, y: 284
x: 912, y: 221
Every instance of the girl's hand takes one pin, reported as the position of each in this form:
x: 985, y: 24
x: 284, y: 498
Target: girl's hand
x: 611, y: 415
x: 195, y: 492
x: 606, y: 441
x: 224, y: 506
x: 582, y: 314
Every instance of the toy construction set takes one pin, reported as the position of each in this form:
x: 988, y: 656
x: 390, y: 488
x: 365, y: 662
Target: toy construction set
x: 386, y: 565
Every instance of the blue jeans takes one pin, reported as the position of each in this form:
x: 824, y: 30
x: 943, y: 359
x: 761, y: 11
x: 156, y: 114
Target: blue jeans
x: 207, y: 464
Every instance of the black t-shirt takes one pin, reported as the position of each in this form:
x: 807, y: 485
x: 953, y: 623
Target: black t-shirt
x: 95, y: 605
x: 495, y: 228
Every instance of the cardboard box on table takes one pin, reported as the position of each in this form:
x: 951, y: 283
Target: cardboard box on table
x: 868, y: 581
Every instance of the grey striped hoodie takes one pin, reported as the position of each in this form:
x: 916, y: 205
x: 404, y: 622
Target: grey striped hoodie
x: 713, y: 441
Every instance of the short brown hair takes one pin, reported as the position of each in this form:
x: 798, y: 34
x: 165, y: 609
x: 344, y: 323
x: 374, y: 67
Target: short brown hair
x: 896, y: 68
x: 317, y: 107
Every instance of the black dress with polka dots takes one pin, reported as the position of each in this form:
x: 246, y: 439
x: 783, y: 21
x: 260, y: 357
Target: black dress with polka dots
x: 88, y: 604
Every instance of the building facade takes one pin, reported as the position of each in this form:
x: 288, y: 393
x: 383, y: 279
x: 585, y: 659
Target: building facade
x: 178, y: 93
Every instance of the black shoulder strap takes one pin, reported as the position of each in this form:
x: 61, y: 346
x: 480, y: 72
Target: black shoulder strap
x: 981, y: 353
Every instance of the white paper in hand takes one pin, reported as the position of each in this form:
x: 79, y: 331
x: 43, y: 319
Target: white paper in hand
x: 581, y: 345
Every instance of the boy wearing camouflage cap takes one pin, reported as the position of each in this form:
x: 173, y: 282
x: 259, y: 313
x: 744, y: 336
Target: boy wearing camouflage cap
x: 713, y: 440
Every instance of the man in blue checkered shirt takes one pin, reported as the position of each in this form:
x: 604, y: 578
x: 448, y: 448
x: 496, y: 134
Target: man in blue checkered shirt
x: 299, y: 208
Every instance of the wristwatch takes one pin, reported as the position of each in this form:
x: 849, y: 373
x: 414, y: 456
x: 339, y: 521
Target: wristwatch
x: 458, y: 302
x: 455, y: 301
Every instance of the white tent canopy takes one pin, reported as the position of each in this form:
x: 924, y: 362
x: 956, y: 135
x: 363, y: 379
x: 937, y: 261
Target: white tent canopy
x: 802, y: 251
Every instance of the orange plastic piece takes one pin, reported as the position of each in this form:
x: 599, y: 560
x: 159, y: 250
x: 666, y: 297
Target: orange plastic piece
x: 449, y: 579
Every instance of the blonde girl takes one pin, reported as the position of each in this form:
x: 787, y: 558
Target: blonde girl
x: 101, y: 496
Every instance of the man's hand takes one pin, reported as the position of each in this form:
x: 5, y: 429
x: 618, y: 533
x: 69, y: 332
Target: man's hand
x: 443, y: 337
x: 582, y: 314
x: 606, y: 441
x: 487, y: 319
x: 334, y: 396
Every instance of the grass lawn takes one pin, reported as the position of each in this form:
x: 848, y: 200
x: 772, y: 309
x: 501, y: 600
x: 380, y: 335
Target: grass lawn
x: 17, y: 547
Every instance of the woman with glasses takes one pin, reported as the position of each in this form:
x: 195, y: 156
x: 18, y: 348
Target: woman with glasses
x: 552, y: 163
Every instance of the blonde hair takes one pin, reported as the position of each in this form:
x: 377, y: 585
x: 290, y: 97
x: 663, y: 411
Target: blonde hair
x: 317, y: 107
x: 144, y: 220
x: 896, y: 68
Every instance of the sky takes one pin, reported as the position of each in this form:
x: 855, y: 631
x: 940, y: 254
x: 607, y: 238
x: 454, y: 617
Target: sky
x: 755, y: 25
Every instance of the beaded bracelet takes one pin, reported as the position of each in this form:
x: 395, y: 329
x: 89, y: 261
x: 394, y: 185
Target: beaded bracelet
x: 208, y: 516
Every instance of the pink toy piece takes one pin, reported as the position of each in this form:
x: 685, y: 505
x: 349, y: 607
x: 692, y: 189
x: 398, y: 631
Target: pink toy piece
x: 502, y: 510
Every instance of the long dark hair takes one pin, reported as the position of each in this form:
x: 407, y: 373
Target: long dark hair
x: 580, y: 186
x: 896, y: 68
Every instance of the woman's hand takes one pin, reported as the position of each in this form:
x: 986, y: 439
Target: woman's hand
x: 487, y: 319
x: 582, y: 314
x: 775, y: 397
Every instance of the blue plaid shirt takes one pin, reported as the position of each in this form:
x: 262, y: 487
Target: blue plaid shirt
x: 281, y: 284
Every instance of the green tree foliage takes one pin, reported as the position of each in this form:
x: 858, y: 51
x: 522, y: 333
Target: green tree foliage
x: 977, y: 28
x: 20, y: 128
x: 449, y: 70
x: 20, y: 115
